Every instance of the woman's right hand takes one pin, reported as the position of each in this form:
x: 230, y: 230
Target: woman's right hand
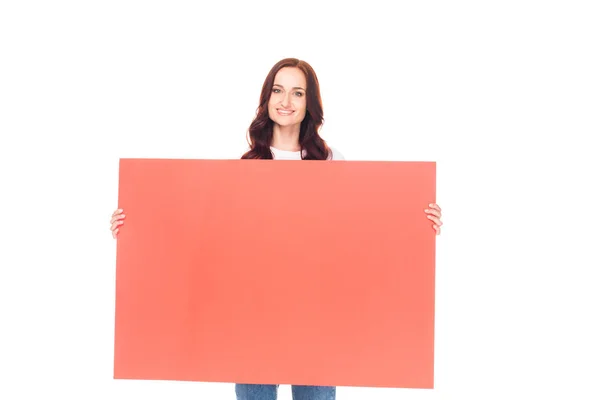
x: 116, y: 221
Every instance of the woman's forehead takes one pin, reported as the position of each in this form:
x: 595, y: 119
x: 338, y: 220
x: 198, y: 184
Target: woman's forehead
x: 290, y: 77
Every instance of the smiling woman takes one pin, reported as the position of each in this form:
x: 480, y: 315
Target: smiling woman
x: 289, y: 116
x: 286, y: 127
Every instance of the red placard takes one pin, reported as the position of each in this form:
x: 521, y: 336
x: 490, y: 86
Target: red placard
x: 276, y: 272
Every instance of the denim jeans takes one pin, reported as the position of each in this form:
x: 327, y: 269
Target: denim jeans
x: 269, y: 392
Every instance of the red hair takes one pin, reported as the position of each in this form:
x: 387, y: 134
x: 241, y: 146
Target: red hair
x: 260, y: 133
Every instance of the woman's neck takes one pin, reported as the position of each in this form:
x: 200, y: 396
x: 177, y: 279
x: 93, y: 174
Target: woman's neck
x: 286, y: 137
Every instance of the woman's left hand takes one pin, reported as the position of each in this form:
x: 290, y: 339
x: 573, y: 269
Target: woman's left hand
x: 434, y: 213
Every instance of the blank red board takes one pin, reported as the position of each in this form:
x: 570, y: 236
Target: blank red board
x: 276, y: 271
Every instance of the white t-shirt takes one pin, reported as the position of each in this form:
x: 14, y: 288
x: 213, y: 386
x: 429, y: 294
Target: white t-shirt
x: 295, y: 155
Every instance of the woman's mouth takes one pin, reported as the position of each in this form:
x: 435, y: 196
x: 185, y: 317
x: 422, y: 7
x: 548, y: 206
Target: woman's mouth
x: 285, y: 113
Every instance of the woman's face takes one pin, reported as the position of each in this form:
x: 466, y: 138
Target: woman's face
x: 287, y: 105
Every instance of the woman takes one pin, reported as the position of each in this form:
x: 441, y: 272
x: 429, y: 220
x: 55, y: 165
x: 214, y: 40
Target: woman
x: 286, y: 127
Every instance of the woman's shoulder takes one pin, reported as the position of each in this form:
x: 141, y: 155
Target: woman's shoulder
x: 335, y: 154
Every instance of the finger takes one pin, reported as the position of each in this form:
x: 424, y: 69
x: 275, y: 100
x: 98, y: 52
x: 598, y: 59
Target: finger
x: 115, y: 225
x: 116, y: 218
x: 117, y: 211
x: 436, y: 220
x: 114, y: 233
x: 437, y: 229
x: 435, y: 206
x: 434, y: 212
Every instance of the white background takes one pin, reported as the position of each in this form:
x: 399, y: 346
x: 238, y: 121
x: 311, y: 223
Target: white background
x: 504, y: 95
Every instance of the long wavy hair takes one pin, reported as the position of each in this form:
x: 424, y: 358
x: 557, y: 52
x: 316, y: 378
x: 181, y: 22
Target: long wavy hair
x: 260, y: 133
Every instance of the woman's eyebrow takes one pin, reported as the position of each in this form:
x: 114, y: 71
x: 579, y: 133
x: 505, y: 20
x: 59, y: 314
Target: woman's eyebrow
x: 296, y: 87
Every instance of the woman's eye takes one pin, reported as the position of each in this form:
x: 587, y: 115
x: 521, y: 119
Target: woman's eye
x: 275, y: 90
x: 299, y: 94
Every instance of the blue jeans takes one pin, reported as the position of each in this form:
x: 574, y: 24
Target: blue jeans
x: 269, y: 392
